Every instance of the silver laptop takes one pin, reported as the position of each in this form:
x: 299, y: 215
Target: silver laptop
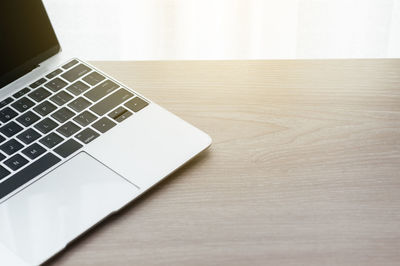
x: 75, y: 144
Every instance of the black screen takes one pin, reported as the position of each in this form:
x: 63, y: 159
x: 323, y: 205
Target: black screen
x: 26, y: 38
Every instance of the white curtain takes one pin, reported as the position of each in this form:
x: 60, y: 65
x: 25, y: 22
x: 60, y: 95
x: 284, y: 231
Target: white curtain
x: 227, y: 29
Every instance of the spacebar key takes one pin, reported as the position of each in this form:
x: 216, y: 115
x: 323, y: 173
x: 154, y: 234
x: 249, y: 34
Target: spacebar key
x: 110, y: 102
x: 27, y: 174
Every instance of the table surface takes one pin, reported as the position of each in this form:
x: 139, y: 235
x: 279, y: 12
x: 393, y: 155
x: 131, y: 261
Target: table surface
x: 303, y: 170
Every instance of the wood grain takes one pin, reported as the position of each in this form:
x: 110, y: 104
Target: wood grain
x: 304, y: 168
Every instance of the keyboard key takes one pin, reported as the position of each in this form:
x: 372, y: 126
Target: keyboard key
x: 117, y: 112
x: 3, y: 172
x: 93, y: 78
x: 85, y: 118
x: 79, y: 104
x: 54, y: 73
x: 2, y: 139
x: 45, y: 108
x: 63, y: 114
x: 39, y: 94
x: 87, y: 135
x: 2, y: 157
x: 10, y: 129
x: 123, y: 116
x: 16, y: 162
x: 11, y: 146
x: 29, y: 136
x: 6, y: 101
x: 37, y: 83
x: 51, y: 140
x: 27, y: 174
x: 110, y: 102
x: 136, y: 104
x: 70, y: 64
x: 21, y: 93
x: 76, y: 72
x: 28, y: 118
x: 101, y: 90
x: 78, y: 88
x: 23, y: 104
x: 68, y: 129
x: 7, y: 114
x: 34, y: 151
x: 103, y: 125
x: 67, y: 148
x: 46, y: 125
x: 55, y: 84
x: 61, y: 98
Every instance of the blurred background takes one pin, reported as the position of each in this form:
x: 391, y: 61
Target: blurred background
x: 227, y: 29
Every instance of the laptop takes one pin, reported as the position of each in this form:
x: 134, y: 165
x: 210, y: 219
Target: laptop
x: 76, y: 145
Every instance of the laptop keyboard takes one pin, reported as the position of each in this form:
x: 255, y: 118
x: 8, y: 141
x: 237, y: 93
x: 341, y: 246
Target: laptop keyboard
x: 55, y: 117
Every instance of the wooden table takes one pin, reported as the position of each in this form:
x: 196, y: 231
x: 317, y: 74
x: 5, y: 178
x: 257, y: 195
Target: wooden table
x: 304, y: 168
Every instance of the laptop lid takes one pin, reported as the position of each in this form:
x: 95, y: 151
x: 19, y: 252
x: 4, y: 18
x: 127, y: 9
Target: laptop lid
x: 27, y: 38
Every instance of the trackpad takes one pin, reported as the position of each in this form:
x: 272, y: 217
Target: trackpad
x: 43, y: 218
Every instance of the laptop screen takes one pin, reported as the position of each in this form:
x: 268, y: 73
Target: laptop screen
x: 26, y: 38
